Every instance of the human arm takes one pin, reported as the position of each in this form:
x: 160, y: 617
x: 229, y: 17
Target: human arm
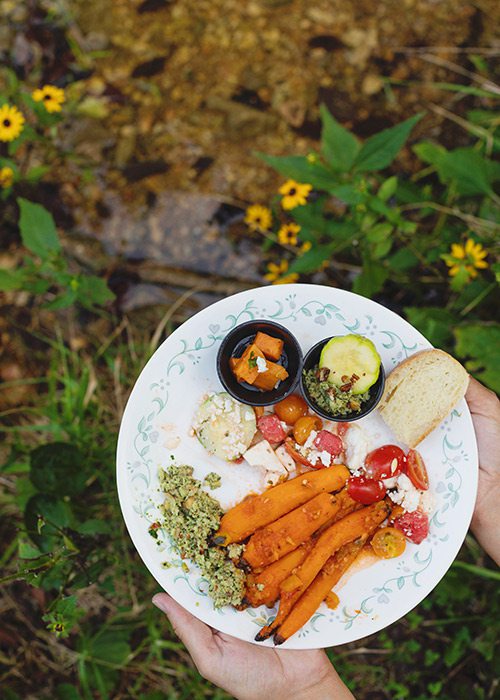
x: 251, y: 672
x: 485, y: 411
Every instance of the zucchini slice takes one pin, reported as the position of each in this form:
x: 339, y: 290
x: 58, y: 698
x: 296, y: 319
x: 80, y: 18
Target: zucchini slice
x: 349, y: 355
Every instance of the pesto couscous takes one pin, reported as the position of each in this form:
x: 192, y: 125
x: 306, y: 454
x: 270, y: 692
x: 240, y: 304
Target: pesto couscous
x: 191, y: 518
x: 337, y: 401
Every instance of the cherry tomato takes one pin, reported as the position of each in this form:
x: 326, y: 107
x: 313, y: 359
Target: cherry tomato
x: 291, y: 409
x: 414, y: 526
x: 385, y: 462
x: 303, y: 427
x: 342, y: 428
x: 271, y: 428
x: 417, y: 472
x: 365, y: 490
x: 327, y: 441
x: 295, y: 455
x: 388, y: 543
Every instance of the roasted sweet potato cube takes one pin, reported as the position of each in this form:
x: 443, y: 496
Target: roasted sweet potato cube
x: 267, y: 380
x: 271, y: 347
x: 245, y: 369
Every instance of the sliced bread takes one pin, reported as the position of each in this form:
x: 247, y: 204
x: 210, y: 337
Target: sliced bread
x: 420, y: 392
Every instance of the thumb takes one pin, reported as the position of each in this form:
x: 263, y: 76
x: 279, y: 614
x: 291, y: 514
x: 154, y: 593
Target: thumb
x: 195, y: 635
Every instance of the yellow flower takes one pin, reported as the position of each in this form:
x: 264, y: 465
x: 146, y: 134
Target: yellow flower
x: 11, y: 123
x: 294, y: 194
x: 468, y: 257
x: 276, y: 273
x: 258, y: 218
x: 307, y: 245
x: 6, y: 177
x: 287, y: 235
x: 51, y: 96
x: 288, y: 279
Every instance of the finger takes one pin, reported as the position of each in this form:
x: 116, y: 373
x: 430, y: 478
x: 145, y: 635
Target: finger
x: 196, y: 635
x: 479, y: 398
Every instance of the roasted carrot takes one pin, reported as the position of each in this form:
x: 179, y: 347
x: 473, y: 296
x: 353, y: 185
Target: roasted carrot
x: 285, y: 534
x: 245, y: 369
x: 270, y: 346
x: 257, y: 511
x: 311, y: 599
x: 267, y: 380
x: 342, y: 532
x: 263, y: 588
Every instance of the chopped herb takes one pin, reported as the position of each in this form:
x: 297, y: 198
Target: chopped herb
x: 252, y: 360
x: 212, y: 480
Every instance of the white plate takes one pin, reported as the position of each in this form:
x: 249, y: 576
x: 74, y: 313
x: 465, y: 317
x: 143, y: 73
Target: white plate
x: 156, y: 425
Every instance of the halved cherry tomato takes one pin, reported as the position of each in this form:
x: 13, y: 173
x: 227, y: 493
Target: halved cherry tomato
x: 271, y: 428
x: 365, y: 490
x: 417, y: 472
x: 414, y: 526
x: 291, y: 409
x: 327, y: 441
x: 295, y: 455
x: 388, y: 543
x: 385, y: 462
x: 303, y: 427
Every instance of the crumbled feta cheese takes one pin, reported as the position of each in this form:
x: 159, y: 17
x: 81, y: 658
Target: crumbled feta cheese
x: 284, y: 457
x: 356, y: 447
x: 406, y: 495
x: 249, y: 415
x: 325, y: 458
x: 310, y: 440
x: 261, y: 365
x: 391, y: 482
x: 262, y: 455
x: 427, y: 502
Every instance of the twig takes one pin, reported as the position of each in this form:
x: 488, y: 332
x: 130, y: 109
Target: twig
x: 485, y: 84
x: 166, y: 318
x: 473, y: 128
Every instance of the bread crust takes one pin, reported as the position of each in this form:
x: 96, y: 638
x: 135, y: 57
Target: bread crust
x: 399, y: 373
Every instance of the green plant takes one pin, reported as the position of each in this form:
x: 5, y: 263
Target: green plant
x: 433, y: 235
x: 46, y: 272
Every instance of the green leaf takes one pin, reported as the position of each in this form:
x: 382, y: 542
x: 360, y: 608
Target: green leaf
x: 429, y: 152
x: 479, y: 345
x: 38, y: 231
x: 93, y: 290
x: 338, y: 145
x: 43, y: 516
x: 58, y: 468
x: 11, y: 279
x: 372, y: 278
x: 433, y: 322
x: 311, y: 261
x: 38, y: 171
x: 348, y: 194
x: 403, y: 259
x: 388, y: 188
x: 298, y: 168
x: 63, y: 301
x: 110, y: 646
x: 379, y: 232
x: 380, y: 150
x: 471, y: 172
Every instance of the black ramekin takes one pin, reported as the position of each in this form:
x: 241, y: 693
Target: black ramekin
x: 376, y: 390
x: 235, y: 343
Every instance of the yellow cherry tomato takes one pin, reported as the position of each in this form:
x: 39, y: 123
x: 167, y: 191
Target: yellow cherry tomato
x: 388, y: 543
x: 303, y: 427
x: 291, y: 409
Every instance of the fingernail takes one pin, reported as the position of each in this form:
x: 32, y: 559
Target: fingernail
x: 160, y: 601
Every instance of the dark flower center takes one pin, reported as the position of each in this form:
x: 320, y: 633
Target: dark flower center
x: 291, y: 191
x: 46, y: 97
x: 6, y: 123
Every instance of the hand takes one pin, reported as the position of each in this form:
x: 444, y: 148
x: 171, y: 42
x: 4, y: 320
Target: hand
x: 485, y: 409
x: 250, y: 672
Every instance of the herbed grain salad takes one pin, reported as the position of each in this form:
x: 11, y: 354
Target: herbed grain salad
x: 330, y: 492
